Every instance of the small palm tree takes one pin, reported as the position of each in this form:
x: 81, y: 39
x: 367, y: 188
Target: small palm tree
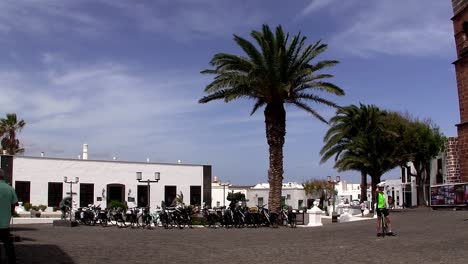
x: 277, y: 71
x: 350, y: 137
x: 9, y: 128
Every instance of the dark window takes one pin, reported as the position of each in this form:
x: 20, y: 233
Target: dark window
x: 23, y: 191
x: 55, y: 194
x: 260, y: 201
x: 403, y: 174
x: 115, y: 192
x: 195, y: 195
x: 170, y: 193
x: 142, y: 196
x: 439, y: 174
x: 86, y: 194
x: 300, y: 203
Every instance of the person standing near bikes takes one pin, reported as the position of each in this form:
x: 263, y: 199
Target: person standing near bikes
x: 382, y: 210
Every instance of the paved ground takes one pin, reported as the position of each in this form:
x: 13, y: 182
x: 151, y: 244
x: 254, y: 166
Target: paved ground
x: 424, y: 236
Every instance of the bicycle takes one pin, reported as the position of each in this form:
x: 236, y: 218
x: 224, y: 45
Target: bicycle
x: 146, y: 218
x: 383, y: 223
x: 288, y: 217
x: 266, y: 218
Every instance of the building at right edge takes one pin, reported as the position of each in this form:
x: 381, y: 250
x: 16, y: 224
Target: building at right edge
x: 449, y: 174
x: 460, y: 26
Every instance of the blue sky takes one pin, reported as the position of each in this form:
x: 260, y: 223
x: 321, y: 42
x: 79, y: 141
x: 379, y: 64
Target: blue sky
x: 123, y: 76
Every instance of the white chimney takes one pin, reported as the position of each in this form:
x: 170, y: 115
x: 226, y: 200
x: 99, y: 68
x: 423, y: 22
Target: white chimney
x: 42, y: 154
x: 179, y: 161
x: 114, y: 158
x: 85, y: 151
x: 147, y: 160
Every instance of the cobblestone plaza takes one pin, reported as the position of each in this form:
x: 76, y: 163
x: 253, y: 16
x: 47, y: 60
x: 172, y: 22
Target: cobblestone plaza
x: 423, y: 236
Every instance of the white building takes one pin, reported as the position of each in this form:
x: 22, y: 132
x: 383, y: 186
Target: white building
x: 219, y: 192
x: 347, y: 192
x: 292, y: 193
x: 40, y: 180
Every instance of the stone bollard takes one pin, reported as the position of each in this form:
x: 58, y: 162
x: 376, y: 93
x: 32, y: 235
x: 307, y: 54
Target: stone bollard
x: 315, y: 215
x: 346, y: 216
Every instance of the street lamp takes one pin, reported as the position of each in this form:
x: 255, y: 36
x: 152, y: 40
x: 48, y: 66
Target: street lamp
x: 157, y: 177
x: 224, y: 184
x: 71, y: 191
x: 334, y: 182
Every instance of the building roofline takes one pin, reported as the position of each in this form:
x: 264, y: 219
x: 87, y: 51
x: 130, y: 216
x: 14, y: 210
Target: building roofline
x: 108, y: 161
x: 241, y: 186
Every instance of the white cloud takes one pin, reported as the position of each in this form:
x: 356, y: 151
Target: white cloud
x: 393, y: 28
x: 47, y: 16
x: 177, y: 19
x: 105, y: 104
x: 315, y: 5
x: 398, y: 27
x: 185, y: 19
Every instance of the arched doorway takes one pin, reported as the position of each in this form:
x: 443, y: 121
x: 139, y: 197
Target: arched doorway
x: 115, y: 191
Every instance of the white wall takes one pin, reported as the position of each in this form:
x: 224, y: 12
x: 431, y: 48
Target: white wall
x: 41, y: 171
x: 217, y: 193
x: 295, y: 191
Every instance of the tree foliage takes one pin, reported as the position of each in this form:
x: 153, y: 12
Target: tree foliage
x: 318, y: 188
x: 374, y: 141
x: 10, y: 126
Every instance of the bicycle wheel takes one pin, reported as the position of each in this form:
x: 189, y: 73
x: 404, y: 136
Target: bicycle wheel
x: 383, y: 224
x: 135, y: 221
x: 180, y: 221
x: 145, y: 221
x: 104, y: 222
x: 165, y: 221
x: 293, y: 220
x: 274, y: 220
x: 111, y: 220
x: 121, y: 221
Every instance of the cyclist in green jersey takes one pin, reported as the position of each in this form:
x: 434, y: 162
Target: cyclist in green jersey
x: 382, y: 209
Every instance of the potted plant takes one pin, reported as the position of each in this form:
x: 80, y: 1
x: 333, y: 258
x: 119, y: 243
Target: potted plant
x: 42, y: 207
x: 35, y: 211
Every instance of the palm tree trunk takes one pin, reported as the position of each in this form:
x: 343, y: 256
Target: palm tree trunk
x: 275, y: 124
x: 375, y: 180
x: 363, y: 186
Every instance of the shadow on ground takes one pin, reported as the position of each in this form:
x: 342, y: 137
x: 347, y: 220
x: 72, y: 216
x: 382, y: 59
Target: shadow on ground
x: 22, y: 228
x: 28, y: 254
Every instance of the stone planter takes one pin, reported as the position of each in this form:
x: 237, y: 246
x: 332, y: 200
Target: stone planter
x: 35, y: 213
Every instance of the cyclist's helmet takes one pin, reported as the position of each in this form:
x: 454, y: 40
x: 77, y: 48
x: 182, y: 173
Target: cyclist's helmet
x: 380, y: 185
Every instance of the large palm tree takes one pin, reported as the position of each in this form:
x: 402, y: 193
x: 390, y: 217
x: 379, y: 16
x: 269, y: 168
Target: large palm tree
x: 9, y: 128
x: 276, y: 71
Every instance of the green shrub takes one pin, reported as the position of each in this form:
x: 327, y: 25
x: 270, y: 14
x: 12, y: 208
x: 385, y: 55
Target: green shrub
x: 42, y: 207
x: 35, y: 208
x: 197, y: 220
x: 116, y: 204
x: 27, y: 206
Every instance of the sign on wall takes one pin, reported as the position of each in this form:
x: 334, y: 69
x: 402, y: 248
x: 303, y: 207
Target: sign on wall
x: 449, y: 195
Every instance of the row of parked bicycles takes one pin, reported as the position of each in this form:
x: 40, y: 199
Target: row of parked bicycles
x: 246, y: 217
x: 182, y: 216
